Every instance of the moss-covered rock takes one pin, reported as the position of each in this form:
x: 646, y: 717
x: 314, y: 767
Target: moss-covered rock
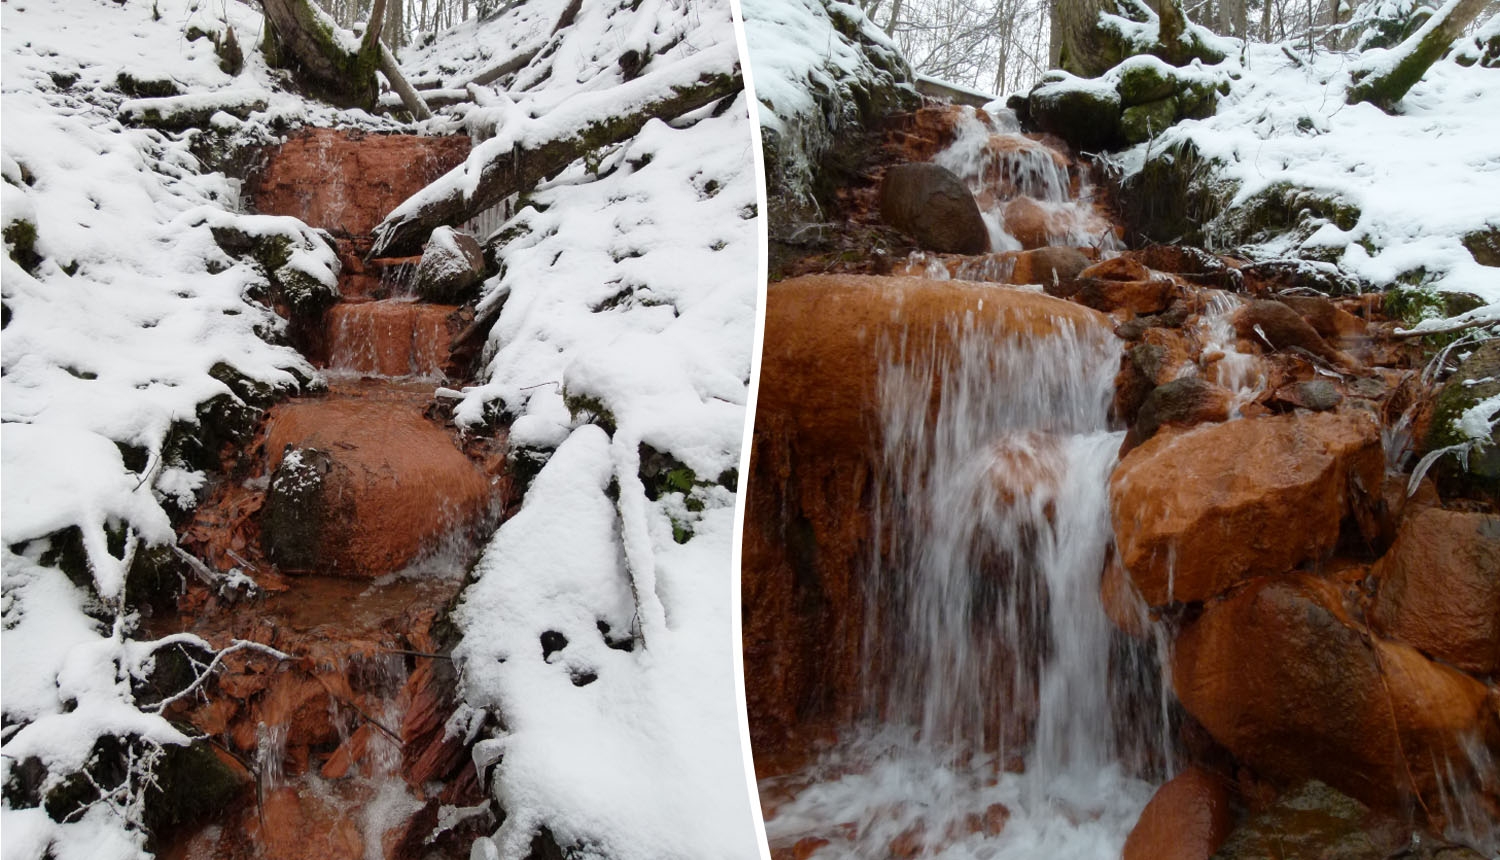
x: 1484, y: 245
x: 1145, y: 121
x: 1477, y: 379
x: 20, y: 239
x: 590, y: 410
x: 1086, y: 114
x: 1145, y: 80
x: 1174, y: 194
x: 1313, y: 820
x: 1281, y: 209
x: 192, y: 783
x: 139, y: 86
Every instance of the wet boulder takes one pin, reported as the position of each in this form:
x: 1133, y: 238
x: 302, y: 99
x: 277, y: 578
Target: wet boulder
x: 1279, y: 327
x: 1440, y: 588
x: 451, y: 268
x: 1187, y: 819
x: 1029, y: 222
x: 1311, y: 820
x: 1284, y: 677
x: 1187, y: 400
x: 1053, y: 267
x: 361, y: 487
x: 1200, y: 510
x: 934, y: 206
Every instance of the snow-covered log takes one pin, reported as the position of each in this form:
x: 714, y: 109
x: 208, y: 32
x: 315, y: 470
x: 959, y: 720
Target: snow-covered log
x: 329, y: 60
x: 493, y: 173
x: 1384, y: 80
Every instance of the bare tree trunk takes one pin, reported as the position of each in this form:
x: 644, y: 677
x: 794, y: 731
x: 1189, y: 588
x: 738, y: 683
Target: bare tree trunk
x: 890, y: 26
x: 302, y: 37
x: 408, y: 95
x: 1076, y: 41
x: 1408, y: 61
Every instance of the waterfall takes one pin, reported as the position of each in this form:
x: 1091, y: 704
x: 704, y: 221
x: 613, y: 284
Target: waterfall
x: 988, y: 680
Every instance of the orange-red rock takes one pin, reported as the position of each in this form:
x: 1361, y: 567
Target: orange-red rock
x: 1117, y: 269
x: 374, y: 173
x: 1122, y: 605
x: 1440, y: 587
x: 1029, y: 222
x: 394, y: 483
x: 1284, y: 678
x: 814, y: 456
x: 1187, y: 819
x: 1199, y: 510
x: 1051, y: 266
x: 1138, y: 297
x: 299, y: 825
x: 390, y: 338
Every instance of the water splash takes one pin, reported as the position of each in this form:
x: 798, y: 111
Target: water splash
x: 987, y: 645
x: 1004, y: 168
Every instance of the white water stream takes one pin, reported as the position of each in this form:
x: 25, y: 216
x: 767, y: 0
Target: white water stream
x: 987, y: 645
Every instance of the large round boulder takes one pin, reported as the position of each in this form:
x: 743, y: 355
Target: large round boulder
x: 1187, y: 819
x: 934, y: 207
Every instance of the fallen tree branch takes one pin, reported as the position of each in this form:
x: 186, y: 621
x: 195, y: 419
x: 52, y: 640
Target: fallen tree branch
x: 1463, y: 325
x: 1385, y: 85
x: 409, y: 97
x: 521, y: 61
x: 459, y: 195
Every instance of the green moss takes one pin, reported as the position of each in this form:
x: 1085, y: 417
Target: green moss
x: 1484, y: 245
x: 1412, y: 305
x: 192, y: 783
x: 591, y: 410
x: 1143, y: 82
x: 1145, y: 121
x: 147, y: 88
x: 20, y: 235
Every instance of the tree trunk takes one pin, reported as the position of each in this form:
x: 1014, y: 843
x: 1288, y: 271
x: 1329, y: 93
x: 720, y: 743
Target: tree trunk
x: 409, y: 97
x: 305, y: 39
x: 521, y: 169
x: 890, y: 26
x: 1405, y: 64
x: 1078, y: 45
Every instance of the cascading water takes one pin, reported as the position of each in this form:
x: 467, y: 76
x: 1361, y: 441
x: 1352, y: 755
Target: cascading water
x: 987, y: 648
x: 1013, y: 176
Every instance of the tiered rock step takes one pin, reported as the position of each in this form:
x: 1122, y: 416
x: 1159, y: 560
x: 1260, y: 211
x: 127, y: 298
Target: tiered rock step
x: 344, y: 738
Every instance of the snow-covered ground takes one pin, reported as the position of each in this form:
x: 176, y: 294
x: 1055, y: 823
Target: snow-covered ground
x: 628, y: 293
x: 631, y: 287
x: 1421, y: 179
x: 108, y: 342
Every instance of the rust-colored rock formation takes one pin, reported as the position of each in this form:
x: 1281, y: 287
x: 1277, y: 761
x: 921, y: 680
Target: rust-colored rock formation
x: 1287, y: 680
x: 1187, y: 819
x: 1199, y: 510
x: 390, y: 338
x: 393, y: 484
x: 808, y: 533
x: 1440, y: 588
x: 376, y: 172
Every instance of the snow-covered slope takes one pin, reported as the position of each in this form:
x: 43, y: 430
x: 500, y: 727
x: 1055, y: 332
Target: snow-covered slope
x: 598, y: 630
x: 126, y: 319
x: 1417, y: 182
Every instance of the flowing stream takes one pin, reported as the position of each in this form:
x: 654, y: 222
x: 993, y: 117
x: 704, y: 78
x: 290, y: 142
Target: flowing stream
x: 1005, y: 716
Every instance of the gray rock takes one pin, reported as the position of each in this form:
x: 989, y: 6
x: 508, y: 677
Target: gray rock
x: 932, y: 205
x: 451, y: 268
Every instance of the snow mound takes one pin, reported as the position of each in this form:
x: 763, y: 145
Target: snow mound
x: 1417, y: 183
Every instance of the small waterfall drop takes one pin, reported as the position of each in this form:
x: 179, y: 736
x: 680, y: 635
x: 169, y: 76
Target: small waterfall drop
x: 1017, y: 179
x: 993, y: 729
